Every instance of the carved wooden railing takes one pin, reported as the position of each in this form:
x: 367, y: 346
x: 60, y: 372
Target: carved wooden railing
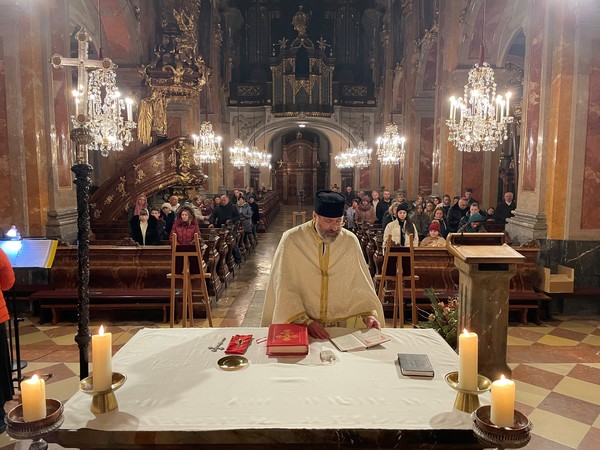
x: 168, y: 164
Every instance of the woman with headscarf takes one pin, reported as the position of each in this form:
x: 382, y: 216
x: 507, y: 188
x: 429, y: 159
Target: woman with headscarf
x: 365, y: 212
x: 400, y: 229
x: 185, y: 226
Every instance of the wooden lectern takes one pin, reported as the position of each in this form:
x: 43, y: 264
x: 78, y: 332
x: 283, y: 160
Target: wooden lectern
x: 486, y: 265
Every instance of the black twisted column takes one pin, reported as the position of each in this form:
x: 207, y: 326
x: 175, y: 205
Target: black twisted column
x: 82, y: 138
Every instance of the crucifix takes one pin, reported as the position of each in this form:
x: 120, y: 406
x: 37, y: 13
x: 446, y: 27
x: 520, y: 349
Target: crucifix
x: 83, y: 63
x: 81, y: 135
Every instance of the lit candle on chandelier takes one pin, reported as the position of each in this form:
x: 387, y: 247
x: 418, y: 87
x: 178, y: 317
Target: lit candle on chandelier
x: 76, y: 96
x: 129, y: 103
x: 508, y: 95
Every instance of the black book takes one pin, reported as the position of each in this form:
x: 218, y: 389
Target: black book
x: 415, y: 365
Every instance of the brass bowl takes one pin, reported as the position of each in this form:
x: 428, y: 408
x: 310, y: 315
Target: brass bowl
x: 87, y: 384
x: 17, y: 428
x: 483, y: 383
x: 516, y: 436
x: 233, y: 362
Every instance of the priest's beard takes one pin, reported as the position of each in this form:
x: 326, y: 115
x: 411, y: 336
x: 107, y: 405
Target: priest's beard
x: 328, y: 236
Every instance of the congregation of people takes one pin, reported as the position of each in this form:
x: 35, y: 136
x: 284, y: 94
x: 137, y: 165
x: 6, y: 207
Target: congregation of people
x: 153, y: 225
x: 425, y: 221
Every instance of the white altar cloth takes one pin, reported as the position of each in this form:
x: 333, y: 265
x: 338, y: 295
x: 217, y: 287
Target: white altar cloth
x: 174, y: 384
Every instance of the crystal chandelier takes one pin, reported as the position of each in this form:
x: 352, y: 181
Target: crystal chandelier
x: 362, y: 152
x: 258, y: 158
x: 238, y: 154
x: 390, y: 146
x: 344, y: 160
x: 478, y: 120
x: 207, y: 146
x: 110, y: 132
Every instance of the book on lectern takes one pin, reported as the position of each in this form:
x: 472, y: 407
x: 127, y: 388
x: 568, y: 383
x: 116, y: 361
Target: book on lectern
x: 287, y: 339
x: 30, y: 252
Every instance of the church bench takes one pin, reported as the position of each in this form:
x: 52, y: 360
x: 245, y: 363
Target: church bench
x: 131, y: 270
x: 436, y: 270
x: 105, y: 299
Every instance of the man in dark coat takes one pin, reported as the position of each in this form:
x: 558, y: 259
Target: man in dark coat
x: 505, y: 209
x: 457, y: 212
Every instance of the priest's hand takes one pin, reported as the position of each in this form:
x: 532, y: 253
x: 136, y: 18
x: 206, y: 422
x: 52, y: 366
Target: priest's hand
x: 372, y: 322
x: 316, y: 330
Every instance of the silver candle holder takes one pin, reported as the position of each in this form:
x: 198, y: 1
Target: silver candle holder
x: 36, y: 430
x: 488, y: 433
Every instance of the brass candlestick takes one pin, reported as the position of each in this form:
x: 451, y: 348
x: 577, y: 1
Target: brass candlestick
x: 103, y: 401
x: 467, y: 400
x: 487, y: 433
x: 17, y: 428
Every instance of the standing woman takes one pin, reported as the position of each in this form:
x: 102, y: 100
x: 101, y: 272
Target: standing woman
x: 185, y: 226
x: 7, y: 279
x: 400, y: 229
x: 141, y: 202
x: 144, y: 229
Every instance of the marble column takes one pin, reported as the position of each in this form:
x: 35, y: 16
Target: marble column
x: 483, y: 309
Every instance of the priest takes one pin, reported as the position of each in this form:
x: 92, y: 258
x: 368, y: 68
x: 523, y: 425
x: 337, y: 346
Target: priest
x: 319, y: 276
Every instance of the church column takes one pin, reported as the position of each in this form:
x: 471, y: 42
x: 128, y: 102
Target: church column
x: 545, y: 141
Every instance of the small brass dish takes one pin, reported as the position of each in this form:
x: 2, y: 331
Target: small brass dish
x: 233, y: 362
x: 17, y: 428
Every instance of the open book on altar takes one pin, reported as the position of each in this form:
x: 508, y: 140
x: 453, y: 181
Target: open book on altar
x: 359, y: 340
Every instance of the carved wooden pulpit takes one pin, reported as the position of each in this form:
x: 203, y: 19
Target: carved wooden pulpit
x: 486, y: 265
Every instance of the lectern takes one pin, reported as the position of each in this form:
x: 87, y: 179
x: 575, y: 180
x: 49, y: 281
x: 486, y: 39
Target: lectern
x: 486, y: 265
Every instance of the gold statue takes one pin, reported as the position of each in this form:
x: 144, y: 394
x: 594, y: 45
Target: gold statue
x: 152, y: 117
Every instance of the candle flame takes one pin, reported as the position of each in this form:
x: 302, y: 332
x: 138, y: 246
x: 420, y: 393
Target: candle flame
x: 101, y: 331
x: 502, y: 377
x: 465, y: 331
x: 34, y: 378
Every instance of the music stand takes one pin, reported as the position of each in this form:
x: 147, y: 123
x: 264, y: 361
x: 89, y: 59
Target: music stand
x: 25, y: 254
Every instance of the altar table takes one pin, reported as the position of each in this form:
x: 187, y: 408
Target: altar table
x: 177, y: 397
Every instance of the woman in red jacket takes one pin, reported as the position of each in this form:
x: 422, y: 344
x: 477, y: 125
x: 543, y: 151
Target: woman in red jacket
x: 185, y: 226
x: 7, y: 279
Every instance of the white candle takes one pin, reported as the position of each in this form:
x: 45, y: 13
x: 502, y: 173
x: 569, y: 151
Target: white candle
x: 467, y: 360
x: 129, y: 103
x: 503, y: 402
x: 76, y: 96
x: 33, y: 396
x: 508, y: 95
x: 102, y: 360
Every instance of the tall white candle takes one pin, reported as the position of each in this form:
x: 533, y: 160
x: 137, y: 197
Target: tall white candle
x: 33, y: 393
x: 468, y: 344
x: 129, y: 104
x: 503, y: 402
x: 102, y: 360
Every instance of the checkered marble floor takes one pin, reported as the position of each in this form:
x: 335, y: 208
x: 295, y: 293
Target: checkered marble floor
x: 556, y: 366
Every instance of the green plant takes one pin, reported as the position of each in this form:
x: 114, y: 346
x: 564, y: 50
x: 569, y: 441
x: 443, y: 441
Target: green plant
x: 443, y: 317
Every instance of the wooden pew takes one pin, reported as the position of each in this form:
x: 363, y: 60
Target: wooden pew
x: 268, y: 207
x: 436, y: 270
x: 127, y: 276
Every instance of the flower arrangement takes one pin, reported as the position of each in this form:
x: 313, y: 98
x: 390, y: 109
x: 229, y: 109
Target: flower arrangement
x: 443, y: 318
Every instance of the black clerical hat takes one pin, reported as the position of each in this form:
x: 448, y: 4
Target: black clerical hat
x: 329, y: 203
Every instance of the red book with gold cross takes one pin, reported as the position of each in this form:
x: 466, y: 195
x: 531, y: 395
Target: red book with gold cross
x: 287, y: 339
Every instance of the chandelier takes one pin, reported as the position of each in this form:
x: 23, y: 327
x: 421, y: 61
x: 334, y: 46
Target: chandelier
x: 207, y: 146
x: 361, y: 154
x: 344, y: 160
x: 390, y: 146
x: 238, y: 154
x: 478, y: 120
x: 110, y: 132
x: 258, y: 158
